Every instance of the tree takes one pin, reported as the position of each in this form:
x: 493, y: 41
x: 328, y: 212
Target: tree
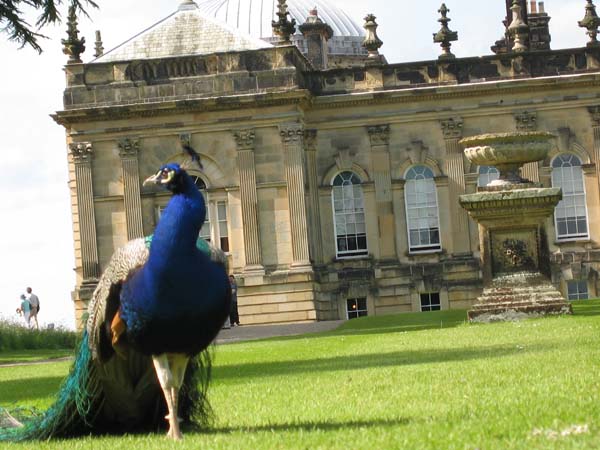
x: 20, y: 31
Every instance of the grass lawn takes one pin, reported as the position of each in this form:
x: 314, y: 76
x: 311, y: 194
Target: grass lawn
x: 411, y: 381
x: 22, y: 356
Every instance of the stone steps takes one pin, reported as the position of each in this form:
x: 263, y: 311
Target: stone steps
x: 522, y: 294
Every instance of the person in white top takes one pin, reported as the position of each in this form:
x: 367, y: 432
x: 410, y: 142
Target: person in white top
x: 34, y: 301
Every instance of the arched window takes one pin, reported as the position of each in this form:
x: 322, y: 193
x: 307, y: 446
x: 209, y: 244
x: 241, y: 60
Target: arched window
x: 487, y: 174
x: 422, y: 210
x: 570, y: 214
x: 349, y: 215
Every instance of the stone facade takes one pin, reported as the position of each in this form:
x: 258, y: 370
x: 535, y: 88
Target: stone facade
x: 274, y: 134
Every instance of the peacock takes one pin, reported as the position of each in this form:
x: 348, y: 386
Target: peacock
x: 145, y: 351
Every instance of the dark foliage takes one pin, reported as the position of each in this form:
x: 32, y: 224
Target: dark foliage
x: 19, y: 30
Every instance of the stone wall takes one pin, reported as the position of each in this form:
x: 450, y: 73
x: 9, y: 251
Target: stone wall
x: 293, y: 135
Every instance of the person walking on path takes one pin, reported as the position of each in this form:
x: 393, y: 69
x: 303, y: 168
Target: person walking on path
x: 234, y: 317
x: 25, y: 310
x: 34, y: 301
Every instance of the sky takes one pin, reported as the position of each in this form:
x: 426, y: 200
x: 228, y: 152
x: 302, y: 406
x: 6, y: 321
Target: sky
x: 36, y: 247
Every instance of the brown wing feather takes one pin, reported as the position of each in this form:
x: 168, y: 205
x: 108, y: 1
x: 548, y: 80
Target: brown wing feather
x: 105, y: 299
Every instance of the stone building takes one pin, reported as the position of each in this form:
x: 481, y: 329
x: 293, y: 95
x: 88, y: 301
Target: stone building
x: 332, y: 176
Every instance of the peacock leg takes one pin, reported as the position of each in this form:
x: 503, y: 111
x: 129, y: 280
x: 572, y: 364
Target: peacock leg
x: 170, y: 370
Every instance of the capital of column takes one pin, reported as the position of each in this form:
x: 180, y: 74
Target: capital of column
x: 452, y: 128
x: 244, y: 139
x: 526, y: 121
x: 291, y: 133
x: 81, y: 151
x: 595, y: 114
x: 379, y: 135
x: 310, y: 140
x: 129, y: 147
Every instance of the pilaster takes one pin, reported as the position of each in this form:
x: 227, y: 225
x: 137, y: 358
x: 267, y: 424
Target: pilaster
x: 379, y: 137
x: 595, y: 115
x: 454, y: 166
x: 314, y: 211
x: 527, y: 121
x: 292, y: 139
x: 128, y: 152
x: 245, y: 150
x: 82, y: 153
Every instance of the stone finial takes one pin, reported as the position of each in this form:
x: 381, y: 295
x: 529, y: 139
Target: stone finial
x: 591, y: 22
x: 445, y: 35
x: 73, y: 46
x: 518, y: 28
x: 187, y: 4
x: 372, y: 42
x: 98, y: 45
x: 283, y: 27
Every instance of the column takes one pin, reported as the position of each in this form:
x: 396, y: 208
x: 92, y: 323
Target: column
x: 380, y: 159
x: 314, y: 210
x: 128, y: 151
x: 455, y: 170
x: 527, y: 121
x: 247, y: 172
x: 595, y: 114
x: 292, y: 139
x: 81, y: 153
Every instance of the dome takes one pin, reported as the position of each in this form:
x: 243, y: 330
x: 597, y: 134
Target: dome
x: 254, y: 17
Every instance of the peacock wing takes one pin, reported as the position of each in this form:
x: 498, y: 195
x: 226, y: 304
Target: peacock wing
x: 105, y: 299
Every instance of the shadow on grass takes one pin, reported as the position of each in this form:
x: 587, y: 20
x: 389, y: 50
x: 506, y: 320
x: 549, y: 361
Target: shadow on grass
x: 12, y: 391
x: 371, y: 360
x: 312, y: 426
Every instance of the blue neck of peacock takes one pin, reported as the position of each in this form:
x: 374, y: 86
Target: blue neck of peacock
x: 178, y: 228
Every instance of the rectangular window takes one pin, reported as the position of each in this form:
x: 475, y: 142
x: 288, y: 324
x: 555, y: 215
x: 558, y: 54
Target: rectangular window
x: 430, y: 301
x: 356, y: 307
x: 205, y: 230
x: 577, y: 290
x: 222, y: 220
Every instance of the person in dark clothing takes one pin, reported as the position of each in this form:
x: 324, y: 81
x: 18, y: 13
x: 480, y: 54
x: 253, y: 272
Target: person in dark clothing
x: 234, y: 317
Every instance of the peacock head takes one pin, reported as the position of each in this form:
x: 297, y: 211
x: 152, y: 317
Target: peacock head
x: 170, y: 175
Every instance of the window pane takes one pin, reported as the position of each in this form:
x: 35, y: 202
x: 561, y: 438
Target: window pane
x: 348, y: 213
x: 571, y: 213
x: 225, y: 244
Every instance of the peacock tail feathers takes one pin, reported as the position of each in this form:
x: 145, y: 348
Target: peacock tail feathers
x: 86, y: 399
x: 74, y: 409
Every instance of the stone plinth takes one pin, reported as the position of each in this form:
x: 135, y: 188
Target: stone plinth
x: 513, y: 295
x: 511, y: 213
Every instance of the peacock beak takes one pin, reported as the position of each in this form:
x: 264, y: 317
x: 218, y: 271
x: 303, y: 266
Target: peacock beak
x: 152, y: 179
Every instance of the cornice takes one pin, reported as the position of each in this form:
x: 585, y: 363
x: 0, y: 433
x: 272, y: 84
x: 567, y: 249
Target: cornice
x: 454, y: 91
x: 138, y: 109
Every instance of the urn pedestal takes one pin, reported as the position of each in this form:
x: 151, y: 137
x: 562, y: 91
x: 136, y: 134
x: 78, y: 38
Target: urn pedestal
x: 511, y: 213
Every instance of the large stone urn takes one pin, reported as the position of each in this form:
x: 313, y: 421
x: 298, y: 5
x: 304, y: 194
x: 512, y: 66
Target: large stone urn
x: 511, y: 213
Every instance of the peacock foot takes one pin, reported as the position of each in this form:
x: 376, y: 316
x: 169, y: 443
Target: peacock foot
x: 174, y: 430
